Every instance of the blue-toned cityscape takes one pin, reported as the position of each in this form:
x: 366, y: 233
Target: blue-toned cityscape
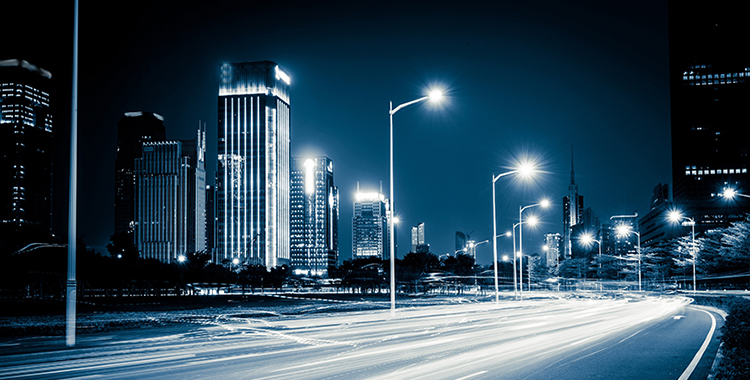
x: 195, y: 190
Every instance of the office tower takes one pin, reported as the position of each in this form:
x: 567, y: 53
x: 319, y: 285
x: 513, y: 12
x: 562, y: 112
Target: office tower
x: 25, y: 153
x: 210, y: 218
x: 572, y: 212
x: 170, y: 198
x: 370, y: 226
x: 133, y: 129
x: 417, y: 237
x: 710, y: 91
x: 252, y: 175
x: 552, y: 244
x: 460, y: 241
x: 314, y: 216
x: 655, y: 226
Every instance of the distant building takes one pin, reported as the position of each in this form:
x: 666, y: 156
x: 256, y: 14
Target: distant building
x: 253, y: 168
x: 170, y: 199
x: 25, y: 153
x: 461, y: 239
x: 133, y: 129
x: 572, y: 213
x: 417, y: 237
x: 210, y: 218
x: 655, y: 226
x: 710, y: 93
x: 370, y: 226
x: 552, y: 247
x: 314, y: 216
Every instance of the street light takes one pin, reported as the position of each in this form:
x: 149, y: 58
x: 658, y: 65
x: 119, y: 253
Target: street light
x: 525, y: 170
x: 587, y: 239
x: 532, y: 222
x: 677, y: 217
x: 435, y: 95
x: 730, y: 193
x: 624, y: 230
x: 544, y: 203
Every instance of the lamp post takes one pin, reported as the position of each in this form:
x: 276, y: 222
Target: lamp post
x: 677, y: 217
x: 544, y: 203
x: 623, y: 230
x: 526, y: 170
x: 434, y: 95
x: 587, y: 239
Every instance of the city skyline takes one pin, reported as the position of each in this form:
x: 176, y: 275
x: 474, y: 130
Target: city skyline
x: 523, y: 81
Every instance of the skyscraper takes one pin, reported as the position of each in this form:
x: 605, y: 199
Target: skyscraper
x: 370, y: 226
x: 133, y: 129
x: 417, y: 237
x: 252, y: 175
x: 314, y: 216
x: 170, y: 198
x: 572, y: 212
x: 710, y: 91
x: 25, y: 152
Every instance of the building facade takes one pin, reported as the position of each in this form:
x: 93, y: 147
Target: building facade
x: 370, y: 226
x: 170, y: 217
x: 314, y: 216
x: 253, y: 168
x: 553, y: 242
x: 25, y: 152
x: 417, y: 238
x: 710, y: 91
x: 133, y: 130
x: 572, y: 213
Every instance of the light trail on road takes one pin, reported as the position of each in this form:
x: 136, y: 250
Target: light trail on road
x: 468, y: 341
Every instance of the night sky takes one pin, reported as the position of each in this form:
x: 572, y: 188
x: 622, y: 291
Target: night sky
x: 532, y: 79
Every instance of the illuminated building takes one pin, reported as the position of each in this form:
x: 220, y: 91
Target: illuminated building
x: 710, y: 91
x: 252, y: 175
x: 133, y: 129
x: 417, y: 239
x: 314, y: 216
x: 552, y: 244
x: 25, y: 152
x: 370, y: 226
x: 572, y: 213
x: 170, y: 205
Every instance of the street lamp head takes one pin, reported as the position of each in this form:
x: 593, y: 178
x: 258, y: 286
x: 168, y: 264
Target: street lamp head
x: 532, y: 221
x: 544, y: 203
x: 508, y: 234
x: 674, y: 216
x: 622, y: 230
x: 435, y: 95
x: 586, y: 239
x: 729, y: 193
x: 526, y: 169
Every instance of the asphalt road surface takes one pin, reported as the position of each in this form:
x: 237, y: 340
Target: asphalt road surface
x: 644, y: 338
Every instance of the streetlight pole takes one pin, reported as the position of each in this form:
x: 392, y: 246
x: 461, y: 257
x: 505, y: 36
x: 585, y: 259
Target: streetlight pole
x: 494, y: 234
x: 676, y: 217
x: 623, y: 230
x: 543, y: 203
x: 391, y: 111
x: 71, y: 285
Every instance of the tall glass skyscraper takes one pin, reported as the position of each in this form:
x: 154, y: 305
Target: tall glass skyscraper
x: 252, y: 175
x: 133, y: 129
x: 25, y: 152
x: 314, y: 216
x: 170, y: 207
x: 710, y: 93
x: 370, y: 226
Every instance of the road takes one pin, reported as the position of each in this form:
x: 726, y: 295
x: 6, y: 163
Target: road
x: 645, y: 338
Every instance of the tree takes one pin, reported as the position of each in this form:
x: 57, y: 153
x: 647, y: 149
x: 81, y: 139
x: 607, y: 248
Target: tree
x: 122, y: 246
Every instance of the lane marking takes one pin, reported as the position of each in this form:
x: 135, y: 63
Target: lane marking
x: 690, y: 368
x: 472, y: 375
